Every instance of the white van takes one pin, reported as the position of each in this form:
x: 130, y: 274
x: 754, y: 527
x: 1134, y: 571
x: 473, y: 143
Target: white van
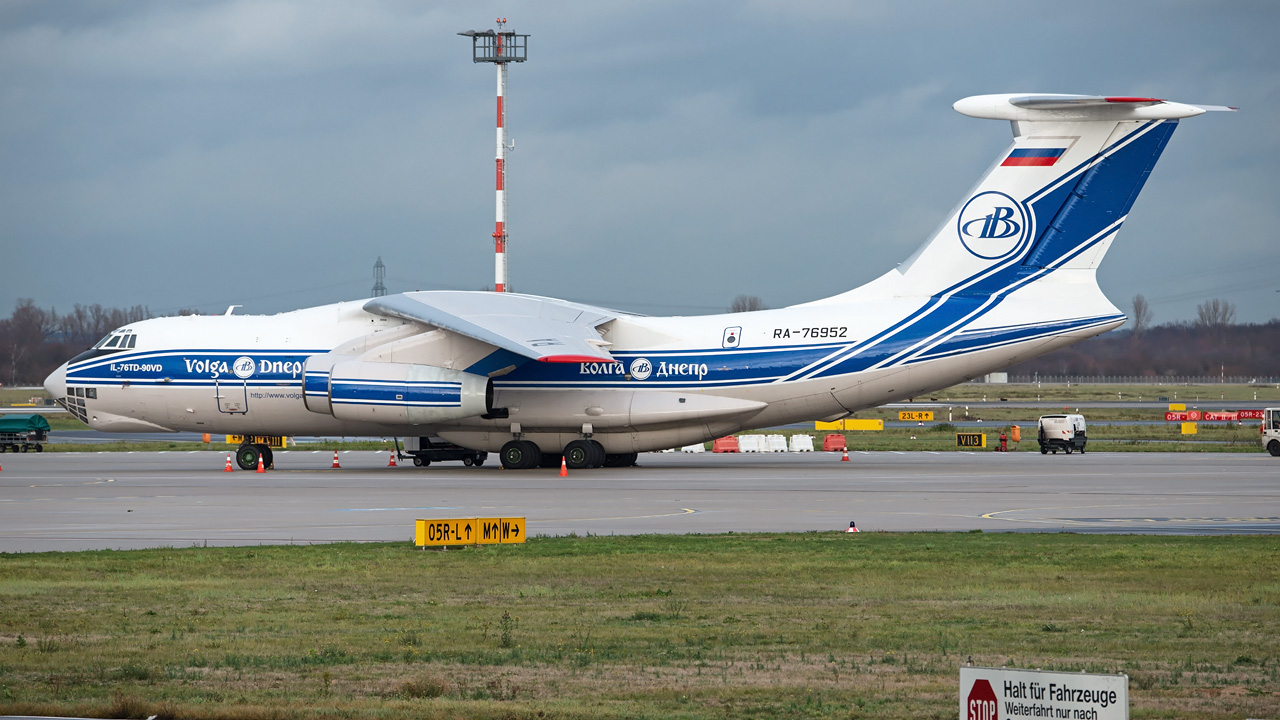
x: 1061, y: 432
x: 1271, y: 431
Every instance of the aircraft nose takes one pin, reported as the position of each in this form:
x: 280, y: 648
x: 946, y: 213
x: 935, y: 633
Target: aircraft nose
x: 56, y: 384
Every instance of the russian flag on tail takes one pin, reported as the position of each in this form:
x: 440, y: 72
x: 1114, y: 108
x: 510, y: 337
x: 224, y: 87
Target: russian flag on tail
x: 1033, y: 157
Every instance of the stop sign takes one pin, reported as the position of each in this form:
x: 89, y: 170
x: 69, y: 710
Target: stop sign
x: 982, y: 701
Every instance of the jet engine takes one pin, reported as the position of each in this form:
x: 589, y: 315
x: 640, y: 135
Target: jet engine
x: 392, y: 393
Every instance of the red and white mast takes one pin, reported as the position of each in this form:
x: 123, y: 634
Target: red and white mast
x: 500, y: 210
x: 499, y: 47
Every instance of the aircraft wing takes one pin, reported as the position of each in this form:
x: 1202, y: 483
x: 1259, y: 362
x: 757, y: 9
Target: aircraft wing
x: 544, y: 329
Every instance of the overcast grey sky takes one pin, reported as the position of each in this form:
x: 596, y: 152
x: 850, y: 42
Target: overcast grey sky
x: 669, y: 155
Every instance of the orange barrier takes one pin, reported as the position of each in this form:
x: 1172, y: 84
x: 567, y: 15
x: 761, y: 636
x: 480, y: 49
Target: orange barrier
x: 725, y: 445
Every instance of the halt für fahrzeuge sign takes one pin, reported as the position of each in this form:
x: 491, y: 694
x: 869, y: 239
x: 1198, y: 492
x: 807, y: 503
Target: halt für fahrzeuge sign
x: 1005, y: 694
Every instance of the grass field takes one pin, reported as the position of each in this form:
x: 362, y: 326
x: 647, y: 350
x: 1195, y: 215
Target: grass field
x: 732, y: 626
x: 1045, y: 392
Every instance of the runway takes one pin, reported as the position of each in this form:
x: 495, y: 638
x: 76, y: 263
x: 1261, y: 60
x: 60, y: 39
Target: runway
x: 78, y: 501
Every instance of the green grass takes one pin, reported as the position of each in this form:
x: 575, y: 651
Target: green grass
x: 13, y: 396
x: 1163, y: 437
x: 975, y: 392
x: 810, y: 625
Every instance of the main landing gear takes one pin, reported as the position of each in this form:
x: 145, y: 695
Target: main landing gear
x: 578, y: 454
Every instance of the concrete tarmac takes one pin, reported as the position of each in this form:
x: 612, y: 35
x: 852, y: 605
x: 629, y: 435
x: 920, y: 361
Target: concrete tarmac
x: 79, y: 501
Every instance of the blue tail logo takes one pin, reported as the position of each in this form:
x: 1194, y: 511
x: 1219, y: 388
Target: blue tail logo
x: 996, y: 225
x: 992, y: 225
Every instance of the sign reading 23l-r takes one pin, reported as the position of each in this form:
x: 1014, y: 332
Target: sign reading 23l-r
x: 992, y: 225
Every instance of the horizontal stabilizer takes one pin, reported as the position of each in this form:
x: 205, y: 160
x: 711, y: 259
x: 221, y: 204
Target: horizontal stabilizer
x: 1077, y: 108
x: 539, y: 328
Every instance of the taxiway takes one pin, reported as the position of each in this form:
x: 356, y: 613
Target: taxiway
x: 77, y: 501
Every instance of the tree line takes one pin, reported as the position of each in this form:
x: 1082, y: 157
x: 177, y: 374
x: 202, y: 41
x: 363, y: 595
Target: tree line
x: 1211, y: 344
x: 35, y: 341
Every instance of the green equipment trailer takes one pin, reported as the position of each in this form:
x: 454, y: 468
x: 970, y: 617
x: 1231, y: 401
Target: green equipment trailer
x: 20, y: 433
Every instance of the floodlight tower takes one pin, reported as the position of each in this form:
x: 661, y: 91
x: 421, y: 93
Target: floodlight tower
x: 499, y: 47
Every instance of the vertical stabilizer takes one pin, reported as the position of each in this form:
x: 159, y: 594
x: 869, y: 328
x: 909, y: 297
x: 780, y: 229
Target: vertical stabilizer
x: 1054, y: 199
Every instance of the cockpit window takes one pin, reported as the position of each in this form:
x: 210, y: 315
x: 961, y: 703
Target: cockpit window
x: 117, y: 341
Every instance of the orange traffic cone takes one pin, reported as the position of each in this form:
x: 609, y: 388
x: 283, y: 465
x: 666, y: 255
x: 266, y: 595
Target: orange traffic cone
x: 228, y: 468
x: 260, y: 468
x: 392, y: 462
x: 845, y: 456
x: 564, y: 467
x: 335, y: 459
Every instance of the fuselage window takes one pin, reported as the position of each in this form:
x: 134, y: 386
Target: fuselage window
x: 91, y: 393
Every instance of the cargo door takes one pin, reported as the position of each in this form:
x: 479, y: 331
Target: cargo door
x: 232, y: 395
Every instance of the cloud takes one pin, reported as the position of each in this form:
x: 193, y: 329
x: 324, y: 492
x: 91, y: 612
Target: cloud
x: 668, y: 156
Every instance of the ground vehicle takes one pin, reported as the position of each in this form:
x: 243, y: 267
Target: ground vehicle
x: 1271, y: 431
x: 1061, y: 432
x: 23, y: 432
x: 426, y: 450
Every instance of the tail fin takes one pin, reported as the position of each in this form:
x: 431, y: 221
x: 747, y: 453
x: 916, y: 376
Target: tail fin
x: 1055, y: 198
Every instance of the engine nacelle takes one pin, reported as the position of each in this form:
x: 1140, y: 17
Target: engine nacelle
x: 393, y: 393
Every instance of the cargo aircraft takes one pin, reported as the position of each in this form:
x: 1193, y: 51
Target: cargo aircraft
x: 1009, y: 274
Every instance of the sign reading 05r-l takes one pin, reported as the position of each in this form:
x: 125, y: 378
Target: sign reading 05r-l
x: 468, y: 531
x: 993, y: 225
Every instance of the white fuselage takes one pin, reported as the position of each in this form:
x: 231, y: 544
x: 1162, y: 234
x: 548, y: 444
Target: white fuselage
x: 677, y: 380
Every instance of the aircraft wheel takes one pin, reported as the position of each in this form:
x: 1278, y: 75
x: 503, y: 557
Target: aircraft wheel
x: 417, y: 461
x: 247, y: 457
x: 1044, y: 450
x: 1273, y: 447
x: 578, y: 454
x: 597, y: 460
x: 621, y: 460
x: 268, y: 459
x: 520, y: 455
